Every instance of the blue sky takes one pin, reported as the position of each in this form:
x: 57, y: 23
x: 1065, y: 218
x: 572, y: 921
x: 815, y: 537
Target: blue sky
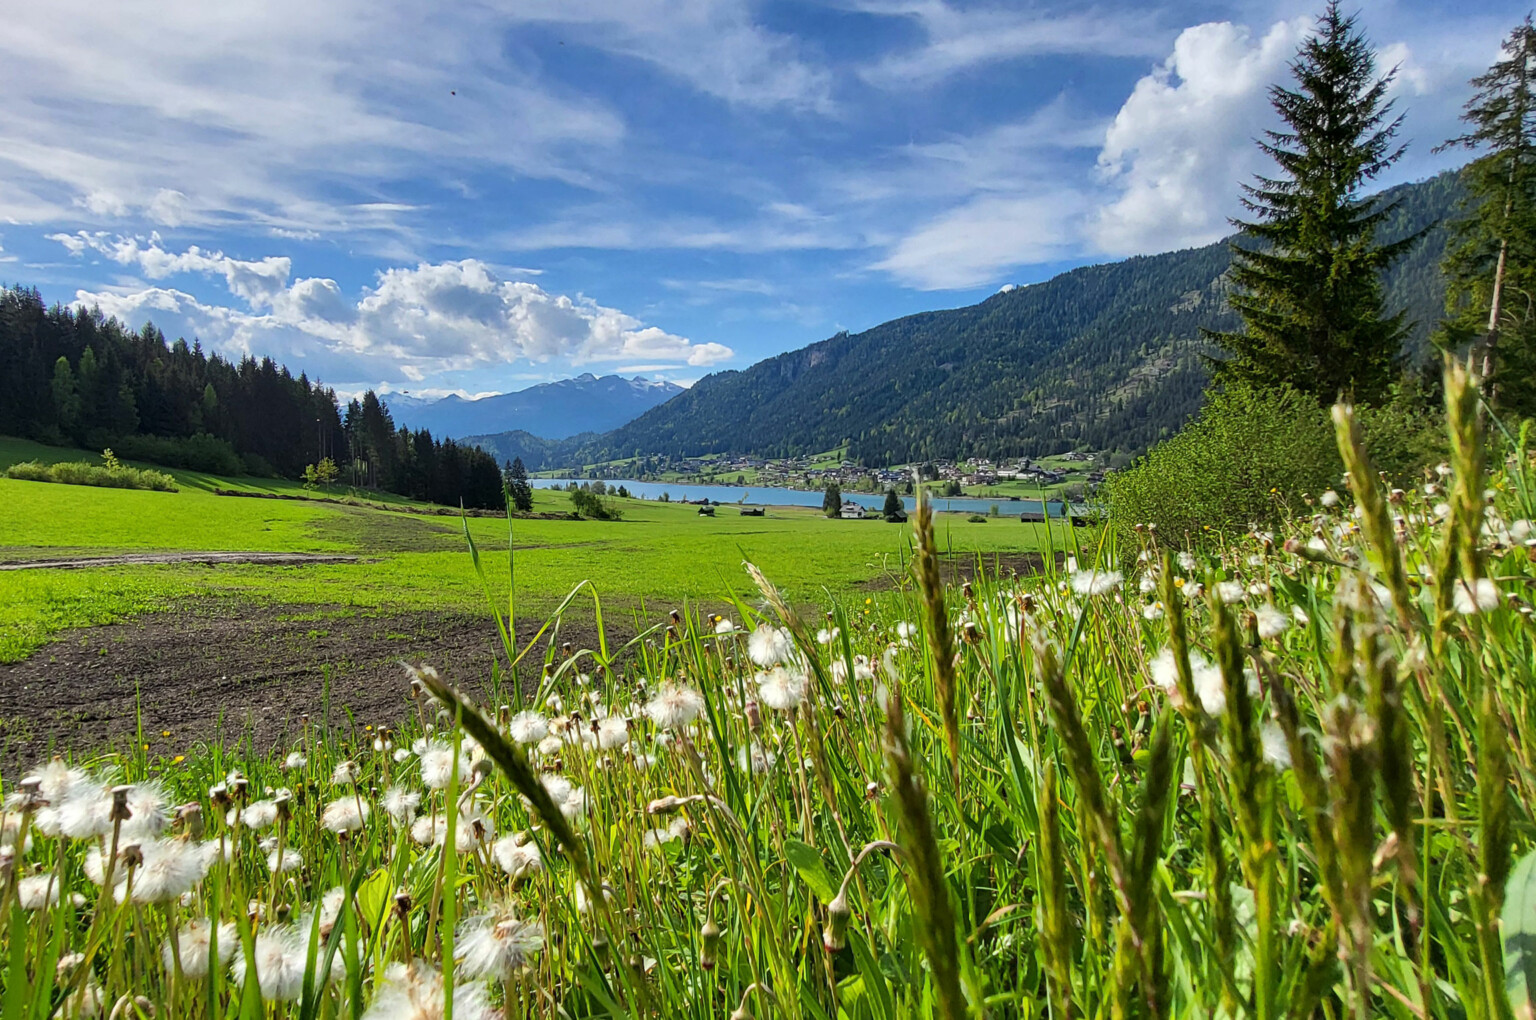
x: 474, y: 197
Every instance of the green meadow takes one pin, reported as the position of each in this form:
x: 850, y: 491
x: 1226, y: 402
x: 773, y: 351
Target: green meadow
x: 660, y: 553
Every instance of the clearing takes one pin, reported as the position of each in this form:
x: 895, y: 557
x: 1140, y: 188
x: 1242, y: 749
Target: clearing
x: 194, y: 599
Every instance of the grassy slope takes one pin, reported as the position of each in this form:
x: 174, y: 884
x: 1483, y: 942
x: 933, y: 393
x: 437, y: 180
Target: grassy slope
x: 659, y: 552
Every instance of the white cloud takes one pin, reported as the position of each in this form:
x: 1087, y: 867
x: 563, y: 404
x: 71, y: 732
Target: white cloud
x: 1184, y: 139
x: 287, y: 114
x: 257, y: 283
x: 957, y: 39
x: 714, y: 45
x: 969, y: 245
x: 412, y: 324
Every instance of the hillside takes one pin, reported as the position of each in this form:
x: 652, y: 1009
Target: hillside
x: 1107, y: 357
x: 556, y: 410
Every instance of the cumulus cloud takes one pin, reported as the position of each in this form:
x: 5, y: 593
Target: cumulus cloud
x: 1185, y: 137
x: 414, y: 322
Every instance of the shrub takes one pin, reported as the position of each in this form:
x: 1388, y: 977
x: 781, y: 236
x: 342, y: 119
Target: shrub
x: 201, y: 452
x: 78, y: 472
x: 977, y: 519
x: 589, y: 504
x: 1233, y: 465
x: 1252, y: 453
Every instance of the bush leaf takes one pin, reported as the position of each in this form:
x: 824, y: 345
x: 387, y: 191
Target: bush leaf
x: 807, y: 861
x: 1519, y: 934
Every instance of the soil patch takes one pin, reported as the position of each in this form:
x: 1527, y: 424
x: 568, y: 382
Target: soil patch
x: 230, y: 670
x: 271, y: 559
x: 957, y: 568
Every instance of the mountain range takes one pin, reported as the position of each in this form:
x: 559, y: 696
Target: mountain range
x: 556, y: 410
x: 1107, y: 357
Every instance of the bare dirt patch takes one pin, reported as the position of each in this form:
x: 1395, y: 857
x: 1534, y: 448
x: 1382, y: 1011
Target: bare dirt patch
x: 271, y: 559
x: 229, y: 670
x: 957, y: 568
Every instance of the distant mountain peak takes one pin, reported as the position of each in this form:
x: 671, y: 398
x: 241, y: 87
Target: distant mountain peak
x: 553, y: 410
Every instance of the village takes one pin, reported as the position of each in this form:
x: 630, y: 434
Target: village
x: 977, y: 476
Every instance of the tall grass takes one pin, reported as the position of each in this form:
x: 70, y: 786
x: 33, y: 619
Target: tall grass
x: 1289, y: 778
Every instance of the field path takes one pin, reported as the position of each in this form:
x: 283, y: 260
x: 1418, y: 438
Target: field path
x: 279, y: 559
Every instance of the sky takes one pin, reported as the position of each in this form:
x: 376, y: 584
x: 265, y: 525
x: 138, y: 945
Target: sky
x: 479, y: 196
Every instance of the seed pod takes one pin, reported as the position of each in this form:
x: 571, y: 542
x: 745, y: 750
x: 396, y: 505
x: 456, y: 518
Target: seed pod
x: 709, y: 944
x: 835, y: 935
x: 120, y: 810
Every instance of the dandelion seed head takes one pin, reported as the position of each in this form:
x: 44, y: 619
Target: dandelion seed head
x: 1478, y: 596
x: 769, y: 646
x: 345, y: 814
x: 1272, y: 622
x: 400, y: 804
x: 1096, y: 582
x: 781, y: 689
x: 517, y: 855
x: 289, y: 860
x: 528, y: 727
x: 196, y: 943
x: 281, y: 957
x: 415, y: 992
x: 38, y: 892
x: 170, y: 869
x: 258, y: 815
x: 496, y: 945
x: 674, y: 706
x: 1230, y: 592
x: 1276, y: 751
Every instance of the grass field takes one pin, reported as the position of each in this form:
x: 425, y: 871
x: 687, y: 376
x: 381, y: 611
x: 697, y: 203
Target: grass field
x: 1287, y: 775
x: 658, y: 553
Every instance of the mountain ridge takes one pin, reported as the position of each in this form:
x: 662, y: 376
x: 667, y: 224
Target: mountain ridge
x: 553, y: 411
x: 1108, y: 357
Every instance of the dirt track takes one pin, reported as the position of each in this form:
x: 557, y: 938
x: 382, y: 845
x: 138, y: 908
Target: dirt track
x: 231, y: 670
x: 274, y: 559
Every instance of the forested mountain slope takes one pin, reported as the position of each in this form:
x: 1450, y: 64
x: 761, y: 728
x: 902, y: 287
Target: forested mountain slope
x: 1107, y: 357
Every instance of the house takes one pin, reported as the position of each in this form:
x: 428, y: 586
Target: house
x: 851, y: 511
x: 750, y: 511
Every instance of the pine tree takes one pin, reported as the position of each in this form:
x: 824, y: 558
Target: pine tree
x: 1494, y: 252
x: 892, y: 510
x: 66, y: 400
x: 1308, y: 271
x: 832, y: 500
x: 518, y: 489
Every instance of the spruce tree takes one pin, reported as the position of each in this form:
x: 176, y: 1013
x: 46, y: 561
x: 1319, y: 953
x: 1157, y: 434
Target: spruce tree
x: 1308, y: 269
x: 518, y: 489
x: 832, y: 500
x: 893, y: 510
x: 1493, y: 255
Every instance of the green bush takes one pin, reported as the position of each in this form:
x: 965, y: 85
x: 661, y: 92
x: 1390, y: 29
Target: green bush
x: 589, y: 504
x: 977, y: 519
x: 78, y: 472
x: 201, y: 452
x: 1250, y: 454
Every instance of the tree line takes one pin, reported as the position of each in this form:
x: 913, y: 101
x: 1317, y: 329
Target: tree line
x: 72, y: 376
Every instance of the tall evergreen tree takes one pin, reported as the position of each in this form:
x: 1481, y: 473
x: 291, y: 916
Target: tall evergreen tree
x: 1494, y: 253
x: 517, y: 485
x: 832, y: 500
x: 1308, y: 270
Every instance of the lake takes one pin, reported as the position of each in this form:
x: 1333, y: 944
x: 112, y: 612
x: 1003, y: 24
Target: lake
x: 756, y: 495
